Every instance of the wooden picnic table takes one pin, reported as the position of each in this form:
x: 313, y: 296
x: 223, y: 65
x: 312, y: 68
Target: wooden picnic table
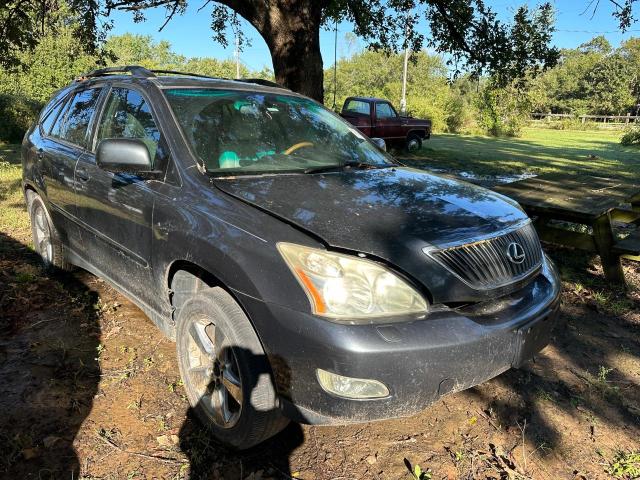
x: 585, y: 200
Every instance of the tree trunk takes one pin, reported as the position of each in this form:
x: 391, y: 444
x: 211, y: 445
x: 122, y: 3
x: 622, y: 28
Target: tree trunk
x: 291, y: 29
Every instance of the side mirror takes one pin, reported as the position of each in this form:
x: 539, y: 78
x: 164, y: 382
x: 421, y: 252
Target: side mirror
x: 123, y: 155
x: 380, y: 143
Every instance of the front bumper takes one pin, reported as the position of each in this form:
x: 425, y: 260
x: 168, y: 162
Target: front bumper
x: 419, y: 361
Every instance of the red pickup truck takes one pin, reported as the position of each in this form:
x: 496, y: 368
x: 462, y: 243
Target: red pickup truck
x: 377, y: 118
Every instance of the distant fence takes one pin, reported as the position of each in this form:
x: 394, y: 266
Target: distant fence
x: 613, y: 120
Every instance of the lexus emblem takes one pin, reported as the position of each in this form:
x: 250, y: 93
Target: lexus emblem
x: 515, y: 253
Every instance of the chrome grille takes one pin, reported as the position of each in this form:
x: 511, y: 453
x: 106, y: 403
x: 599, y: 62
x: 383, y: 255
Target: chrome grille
x: 486, y: 264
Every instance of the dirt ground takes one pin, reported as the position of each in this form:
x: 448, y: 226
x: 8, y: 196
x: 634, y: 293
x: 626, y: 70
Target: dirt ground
x: 90, y: 389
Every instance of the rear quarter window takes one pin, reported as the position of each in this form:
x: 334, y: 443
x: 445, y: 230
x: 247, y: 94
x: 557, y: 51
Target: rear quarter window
x: 50, y: 116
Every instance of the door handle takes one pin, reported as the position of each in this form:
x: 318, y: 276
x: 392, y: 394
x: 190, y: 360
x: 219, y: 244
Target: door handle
x: 82, y: 175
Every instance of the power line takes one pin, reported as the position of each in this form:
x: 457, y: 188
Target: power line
x: 592, y: 32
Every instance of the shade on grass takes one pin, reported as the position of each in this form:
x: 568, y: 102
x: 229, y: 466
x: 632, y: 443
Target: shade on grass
x: 537, y: 151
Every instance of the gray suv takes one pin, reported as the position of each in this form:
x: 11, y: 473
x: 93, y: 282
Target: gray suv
x: 303, y: 273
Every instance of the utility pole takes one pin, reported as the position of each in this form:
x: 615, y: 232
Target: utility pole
x: 237, y: 55
x: 403, y: 101
x: 335, y: 65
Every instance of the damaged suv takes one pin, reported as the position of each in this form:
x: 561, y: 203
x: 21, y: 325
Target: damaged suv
x: 303, y: 273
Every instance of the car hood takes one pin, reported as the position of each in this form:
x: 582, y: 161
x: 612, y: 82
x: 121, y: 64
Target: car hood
x: 383, y: 212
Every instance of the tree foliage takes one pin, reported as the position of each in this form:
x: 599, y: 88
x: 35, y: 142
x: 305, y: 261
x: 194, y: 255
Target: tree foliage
x: 55, y: 60
x: 593, y: 79
x: 25, y: 23
x: 469, y: 31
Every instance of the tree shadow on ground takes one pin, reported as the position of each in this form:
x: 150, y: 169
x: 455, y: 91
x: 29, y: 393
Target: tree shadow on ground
x: 49, y: 338
x: 209, y: 459
x: 591, y: 387
x: 500, y: 156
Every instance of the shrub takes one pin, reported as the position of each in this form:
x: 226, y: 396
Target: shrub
x: 503, y: 111
x: 17, y: 113
x: 460, y: 115
x: 631, y: 136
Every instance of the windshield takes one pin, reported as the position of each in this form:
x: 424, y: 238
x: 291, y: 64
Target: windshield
x: 236, y: 132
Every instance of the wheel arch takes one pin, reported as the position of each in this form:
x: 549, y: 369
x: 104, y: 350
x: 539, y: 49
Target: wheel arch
x: 185, y: 278
x: 29, y: 191
x: 420, y: 132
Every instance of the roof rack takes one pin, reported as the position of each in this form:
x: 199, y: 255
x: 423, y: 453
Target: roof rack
x: 141, y: 72
x: 174, y: 72
x: 134, y: 70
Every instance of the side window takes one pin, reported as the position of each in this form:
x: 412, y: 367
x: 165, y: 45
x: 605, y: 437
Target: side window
x: 384, y: 110
x: 51, y: 117
x: 127, y: 115
x: 358, y: 106
x: 73, y: 125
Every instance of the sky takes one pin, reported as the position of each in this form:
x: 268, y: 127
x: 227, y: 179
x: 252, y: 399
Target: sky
x: 190, y: 34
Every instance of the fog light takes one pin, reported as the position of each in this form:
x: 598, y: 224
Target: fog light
x: 348, y: 387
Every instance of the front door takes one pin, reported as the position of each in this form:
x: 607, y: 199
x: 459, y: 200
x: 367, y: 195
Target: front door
x: 115, y: 208
x: 388, y: 124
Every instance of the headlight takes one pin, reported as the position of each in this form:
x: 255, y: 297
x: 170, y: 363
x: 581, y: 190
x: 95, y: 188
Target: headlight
x: 345, y: 287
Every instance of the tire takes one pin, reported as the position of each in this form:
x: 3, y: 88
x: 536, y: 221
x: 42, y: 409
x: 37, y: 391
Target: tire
x: 221, y: 360
x: 45, y: 237
x: 413, y: 143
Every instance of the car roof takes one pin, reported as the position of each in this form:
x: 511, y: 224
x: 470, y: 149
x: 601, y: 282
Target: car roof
x: 168, y: 79
x: 370, y: 99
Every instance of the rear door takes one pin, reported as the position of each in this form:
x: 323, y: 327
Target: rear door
x: 64, y: 138
x: 116, y: 208
x: 388, y: 124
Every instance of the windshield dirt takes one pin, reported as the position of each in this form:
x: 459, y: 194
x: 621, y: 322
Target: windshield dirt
x: 237, y: 132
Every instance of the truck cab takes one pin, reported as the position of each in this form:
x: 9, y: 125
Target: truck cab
x: 377, y: 118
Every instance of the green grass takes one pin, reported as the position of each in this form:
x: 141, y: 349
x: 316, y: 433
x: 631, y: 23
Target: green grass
x: 10, y: 152
x: 537, y: 151
x: 625, y: 465
x: 13, y: 216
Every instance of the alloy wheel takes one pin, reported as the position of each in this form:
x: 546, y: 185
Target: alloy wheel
x: 213, y: 371
x: 42, y: 235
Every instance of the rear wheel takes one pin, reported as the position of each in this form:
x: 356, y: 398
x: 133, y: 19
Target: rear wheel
x: 413, y: 143
x: 225, y: 371
x: 45, y: 239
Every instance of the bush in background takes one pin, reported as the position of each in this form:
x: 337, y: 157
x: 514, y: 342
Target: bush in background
x: 461, y: 111
x: 17, y: 113
x: 503, y: 111
x: 631, y: 136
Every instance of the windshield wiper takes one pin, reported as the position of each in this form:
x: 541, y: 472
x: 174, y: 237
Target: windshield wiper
x: 342, y: 166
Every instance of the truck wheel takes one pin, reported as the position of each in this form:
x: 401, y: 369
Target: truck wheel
x: 45, y: 238
x: 225, y: 371
x: 413, y: 143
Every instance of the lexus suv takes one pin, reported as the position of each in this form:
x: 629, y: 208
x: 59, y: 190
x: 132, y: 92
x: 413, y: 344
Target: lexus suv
x: 303, y: 273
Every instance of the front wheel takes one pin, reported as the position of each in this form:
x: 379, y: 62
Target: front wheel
x: 413, y: 143
x: 225, y: 371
